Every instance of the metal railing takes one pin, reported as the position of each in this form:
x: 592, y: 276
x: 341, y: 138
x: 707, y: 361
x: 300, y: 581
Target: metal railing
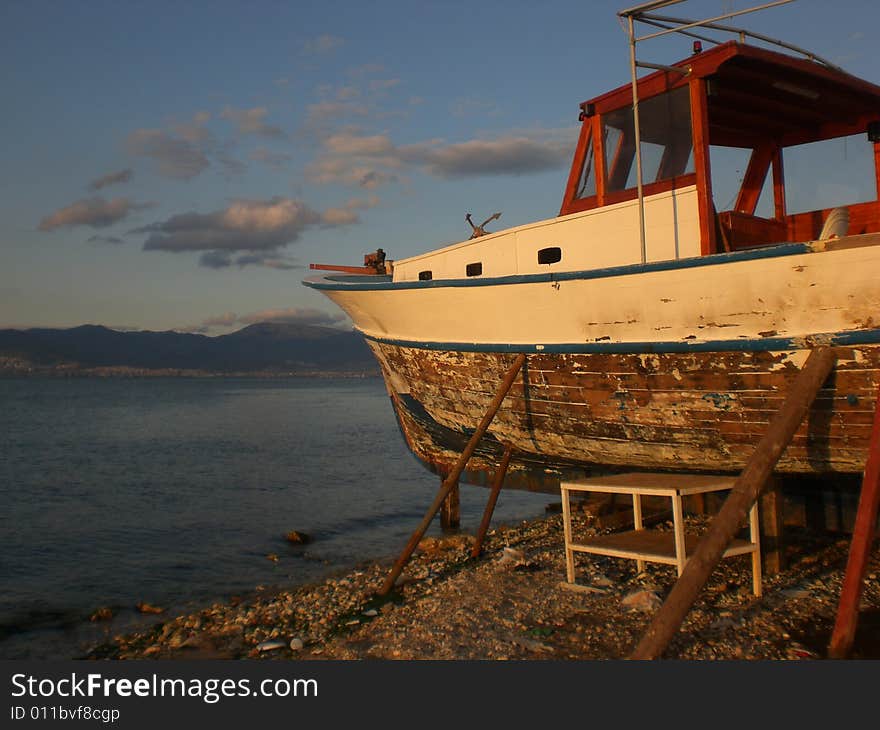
x: 644, y: 14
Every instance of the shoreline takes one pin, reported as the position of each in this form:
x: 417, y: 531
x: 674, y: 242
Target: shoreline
x: 147, y: 373
x: 513, y: 603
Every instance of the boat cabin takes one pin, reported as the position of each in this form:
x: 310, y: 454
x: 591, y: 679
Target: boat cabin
x: 743, y: 107
x: 737, y: 148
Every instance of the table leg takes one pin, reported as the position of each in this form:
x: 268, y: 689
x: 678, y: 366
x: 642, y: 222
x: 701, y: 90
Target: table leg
x: 678, y: 525
x: 566, y: 529
x: 637, y: 523
x: 755, y: 530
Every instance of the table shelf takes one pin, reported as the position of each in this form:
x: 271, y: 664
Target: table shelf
x: 651, y: 545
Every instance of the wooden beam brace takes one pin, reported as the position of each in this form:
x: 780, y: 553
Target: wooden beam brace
x: 452, y: 479
x: 773, y: 527
x: 877, y: 166
x: 450, y: 510
x: 746, y: 490
x: 778, y: 185
x: 864, y: 532
x: 753, y: 181
x: 497, y: 481
x: 700, y: 126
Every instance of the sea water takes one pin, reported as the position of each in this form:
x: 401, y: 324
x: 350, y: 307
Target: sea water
x: 176, y: 491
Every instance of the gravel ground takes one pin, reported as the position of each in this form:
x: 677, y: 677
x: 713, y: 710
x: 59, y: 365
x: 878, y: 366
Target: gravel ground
x: 513, y: 603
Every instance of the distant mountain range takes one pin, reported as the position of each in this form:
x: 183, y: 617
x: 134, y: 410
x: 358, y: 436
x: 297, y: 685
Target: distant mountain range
x: 267, y: 348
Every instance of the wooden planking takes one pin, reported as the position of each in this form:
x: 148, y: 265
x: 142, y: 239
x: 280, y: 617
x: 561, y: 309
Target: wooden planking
x: 588, y: 407
x: 652, y: 545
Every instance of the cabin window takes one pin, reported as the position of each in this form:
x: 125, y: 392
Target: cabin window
x: 474, y: 269
x: 587, y: 185
x: 666, y: 143
x: 550, y: 255
x: 828, y: 174
x: 728, y: 168
x: 425, y: 276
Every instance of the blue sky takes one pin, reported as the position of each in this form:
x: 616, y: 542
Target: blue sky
x: 179, y: 165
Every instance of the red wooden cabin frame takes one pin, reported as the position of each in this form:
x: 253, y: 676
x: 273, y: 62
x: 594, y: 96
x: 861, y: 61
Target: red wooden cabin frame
x: 747, y: 97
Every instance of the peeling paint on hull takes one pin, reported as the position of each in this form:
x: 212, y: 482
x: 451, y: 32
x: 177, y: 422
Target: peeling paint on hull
x: 572, y: 414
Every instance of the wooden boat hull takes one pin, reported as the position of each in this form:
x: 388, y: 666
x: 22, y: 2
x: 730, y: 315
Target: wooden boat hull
x: 576, y: 414
x: 676, y: 365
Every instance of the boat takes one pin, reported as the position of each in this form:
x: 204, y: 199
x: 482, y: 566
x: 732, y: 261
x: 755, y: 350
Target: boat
x: 661, y: 330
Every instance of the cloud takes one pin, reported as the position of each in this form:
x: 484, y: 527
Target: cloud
x: 346, y: 93
x: 383, y: 84
x: 347, y: 213
x: 339, y: 217
x: 195, y: 131
x: 115, y: 240
x: 113, y: 178
x: 347, y: 171
x: 247, y: 232
x: 321, y: 44
x: 377, y: 145
x: 366, y: 69
x: 245, y: 225
x: 369, y: 161
x: 292, y: 315
x: 267, y: 259
x: 252, y: 121
x: 276, y: 160
x: 506, y: 156
x: 223, y: 320
x: 95, y: 212
x: 180, y: 158
x: 322, y: 113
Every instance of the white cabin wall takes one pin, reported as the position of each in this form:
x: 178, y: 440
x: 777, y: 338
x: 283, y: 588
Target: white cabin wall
x: 592, y: 239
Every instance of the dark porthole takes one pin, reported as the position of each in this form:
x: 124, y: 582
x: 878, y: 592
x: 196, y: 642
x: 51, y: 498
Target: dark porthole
x: 550, y: 255
x: 425, y: 276
x: 474, y: 269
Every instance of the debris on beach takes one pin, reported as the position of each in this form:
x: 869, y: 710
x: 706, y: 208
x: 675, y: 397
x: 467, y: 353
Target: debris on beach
x: 435, y: 545
x: 270, y: 645
x: 451, y: 606
x: 297, y: 538
x: 144, y: 607
x: 641, y: 601
x: 102, y: 614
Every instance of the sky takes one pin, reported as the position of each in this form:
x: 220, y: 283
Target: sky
x: 178, y: 165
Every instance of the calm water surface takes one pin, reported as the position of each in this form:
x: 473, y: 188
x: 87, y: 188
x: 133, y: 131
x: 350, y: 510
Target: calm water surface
x: 174, y: 491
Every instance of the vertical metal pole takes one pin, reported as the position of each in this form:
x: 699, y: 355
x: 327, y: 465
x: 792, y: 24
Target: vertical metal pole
x: 638, y: 136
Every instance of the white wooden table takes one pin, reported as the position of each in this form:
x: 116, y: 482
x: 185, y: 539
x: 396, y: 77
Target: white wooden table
x: 649, y: 545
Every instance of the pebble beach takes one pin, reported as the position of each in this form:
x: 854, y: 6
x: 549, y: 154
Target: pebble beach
x: 513, y: 603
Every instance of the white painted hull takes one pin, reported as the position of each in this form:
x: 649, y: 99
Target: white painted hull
x: 674, y: 365
x: 793, y: 296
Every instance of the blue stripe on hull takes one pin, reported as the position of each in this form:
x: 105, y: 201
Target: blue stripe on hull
x: 764, y: 344
x: 384, y: 283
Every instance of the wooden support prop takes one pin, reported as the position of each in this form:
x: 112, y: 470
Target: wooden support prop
x: 450, y: 510
x: 497, y: 481
x: 772, y: 528
x: 864, y: 532
x: 452, y: 479
x: 730, y: 517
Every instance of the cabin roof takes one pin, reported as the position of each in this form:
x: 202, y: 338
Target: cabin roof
x: 754, y: 93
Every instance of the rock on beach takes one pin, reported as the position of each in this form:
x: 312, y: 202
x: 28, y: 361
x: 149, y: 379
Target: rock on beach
x: 512, y: 603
